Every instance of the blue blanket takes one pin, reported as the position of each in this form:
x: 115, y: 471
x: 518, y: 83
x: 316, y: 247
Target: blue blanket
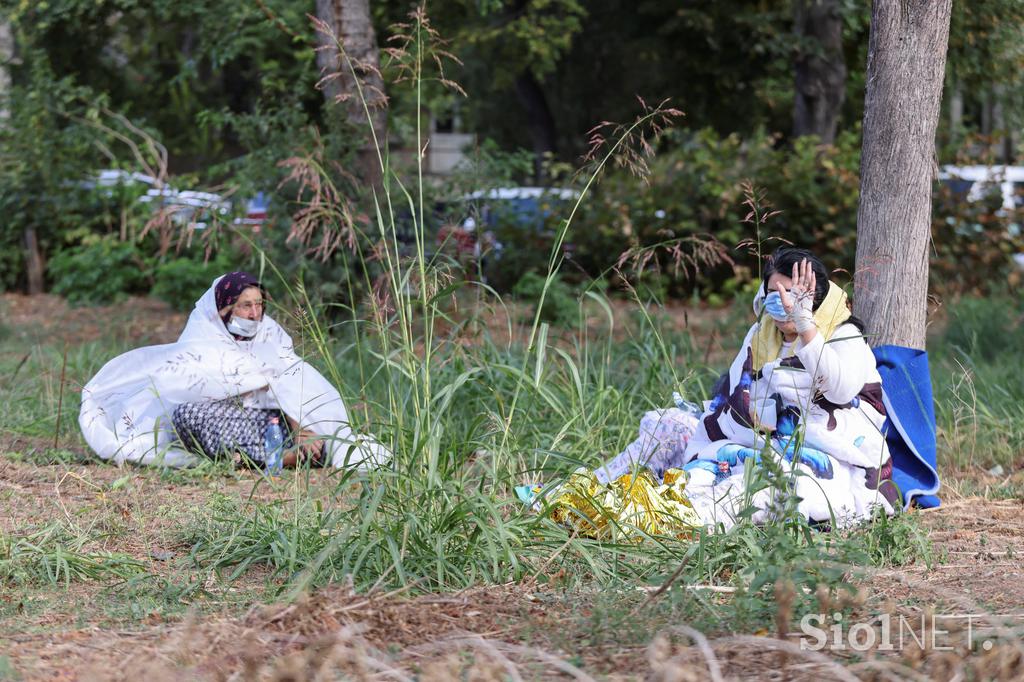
x: 910, y: 425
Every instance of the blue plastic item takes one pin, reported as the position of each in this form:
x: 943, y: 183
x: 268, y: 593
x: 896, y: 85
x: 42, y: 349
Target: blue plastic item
x: 910, y: 426
x: 686, y: 406
x: 273, y: 445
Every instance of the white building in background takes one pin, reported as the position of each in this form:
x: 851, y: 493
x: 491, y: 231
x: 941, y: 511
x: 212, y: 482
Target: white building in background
x: 448, y: 143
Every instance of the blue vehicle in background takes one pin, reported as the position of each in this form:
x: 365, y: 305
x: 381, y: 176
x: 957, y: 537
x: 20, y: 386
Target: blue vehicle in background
x: 503, y: 232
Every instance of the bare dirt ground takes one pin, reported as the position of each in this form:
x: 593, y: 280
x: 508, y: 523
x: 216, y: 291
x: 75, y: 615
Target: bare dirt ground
x: 90, y: 630
x: 48, y: 317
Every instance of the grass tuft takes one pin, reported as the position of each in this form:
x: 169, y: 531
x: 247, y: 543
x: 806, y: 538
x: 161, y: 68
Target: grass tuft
x: 53, y: 555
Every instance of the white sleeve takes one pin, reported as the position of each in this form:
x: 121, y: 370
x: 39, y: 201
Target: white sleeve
x: 261, y: 399
x: 841, y: 366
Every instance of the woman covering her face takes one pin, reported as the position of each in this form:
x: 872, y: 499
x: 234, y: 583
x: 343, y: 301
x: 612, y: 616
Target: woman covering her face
x: 232, y: 373
x: 803, y: 389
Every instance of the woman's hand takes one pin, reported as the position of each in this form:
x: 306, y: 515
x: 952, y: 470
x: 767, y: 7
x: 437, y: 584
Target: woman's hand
x: 799, y: 305
x: 308, y: 446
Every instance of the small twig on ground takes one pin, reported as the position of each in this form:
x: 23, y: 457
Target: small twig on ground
x: 664, y: 586
x: 722, y: 589
x: 551, y: 558
x: 12, y: 486
x: 18, y: 368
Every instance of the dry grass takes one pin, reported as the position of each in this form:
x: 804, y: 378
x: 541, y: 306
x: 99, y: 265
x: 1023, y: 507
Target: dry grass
x: 219, y: 630
x: 504, y: 632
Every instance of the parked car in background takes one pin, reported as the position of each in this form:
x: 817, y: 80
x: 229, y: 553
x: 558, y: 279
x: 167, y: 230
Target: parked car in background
x: 255, y: 211
x: 527, y: 206
x: 188, y: 207
x: 506, y: 231
x: 976, y: 183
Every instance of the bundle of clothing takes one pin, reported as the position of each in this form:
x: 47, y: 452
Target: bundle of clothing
x: 216, y: 388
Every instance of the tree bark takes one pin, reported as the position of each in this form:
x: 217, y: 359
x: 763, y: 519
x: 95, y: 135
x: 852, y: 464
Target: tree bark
x: 820, y: 71
x: 6, y: 57
x: 906, y: 64
x: 956, y: 110
x: 33, y: 262
x: 540, y: 121
x: 352, y: 25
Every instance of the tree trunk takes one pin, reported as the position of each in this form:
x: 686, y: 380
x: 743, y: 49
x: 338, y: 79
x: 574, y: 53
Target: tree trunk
x: 956, y: 110
x: 906, y: 64
x: 1003, y: 149
x: 352, y: 25
x: 6, y: 56
x: 33, y: 262
x: 541, y: 122
x: 820, y: 71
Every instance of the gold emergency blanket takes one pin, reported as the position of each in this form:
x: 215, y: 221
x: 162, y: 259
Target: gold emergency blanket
x: 632, y: 506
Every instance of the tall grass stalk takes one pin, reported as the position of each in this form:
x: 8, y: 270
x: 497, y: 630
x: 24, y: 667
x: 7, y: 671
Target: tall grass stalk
x: 466, y: 422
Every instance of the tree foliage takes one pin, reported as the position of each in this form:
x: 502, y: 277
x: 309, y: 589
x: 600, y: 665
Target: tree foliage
x: 229, y: 88
x: 168, y: 63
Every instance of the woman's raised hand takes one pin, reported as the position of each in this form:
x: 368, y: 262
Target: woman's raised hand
x: 799, y: 300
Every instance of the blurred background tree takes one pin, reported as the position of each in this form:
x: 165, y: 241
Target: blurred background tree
x: 772, y: 92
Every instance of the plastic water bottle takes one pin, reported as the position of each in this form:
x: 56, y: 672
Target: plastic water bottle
x: 273, y: 446
x: 686, y: 406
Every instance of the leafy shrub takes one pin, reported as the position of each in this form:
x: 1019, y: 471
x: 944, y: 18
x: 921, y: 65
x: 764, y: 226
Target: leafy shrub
x: 181, y: 281
x: 695, y: 193
x: 987, y: 328
x: 560, y: 304
x: 974, y: 243
x: 100, y: 269
x: 49, y: 144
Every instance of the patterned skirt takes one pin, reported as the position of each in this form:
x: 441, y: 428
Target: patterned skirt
x: 226, y: 429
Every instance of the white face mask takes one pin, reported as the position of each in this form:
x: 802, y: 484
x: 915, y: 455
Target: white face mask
x: 243, y: 327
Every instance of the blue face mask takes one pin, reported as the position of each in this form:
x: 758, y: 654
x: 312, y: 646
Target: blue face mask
x: 773, y: 306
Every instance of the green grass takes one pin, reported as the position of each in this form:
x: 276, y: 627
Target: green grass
x: 56, y: 555
x: 978, y: 381
x: 444, y: 517
x: 469, y: 421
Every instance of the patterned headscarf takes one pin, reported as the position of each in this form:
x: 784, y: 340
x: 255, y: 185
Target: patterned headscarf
x: 230, y: 287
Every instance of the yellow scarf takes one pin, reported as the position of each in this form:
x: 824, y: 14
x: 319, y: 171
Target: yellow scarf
x: 832, y: 313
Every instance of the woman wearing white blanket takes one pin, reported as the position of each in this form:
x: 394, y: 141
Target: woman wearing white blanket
x: 804, y: 382
x: 232, y: 372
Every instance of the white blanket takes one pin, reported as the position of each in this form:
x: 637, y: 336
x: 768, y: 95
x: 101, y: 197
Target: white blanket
x: 849, y: 434
x: 127, y: 407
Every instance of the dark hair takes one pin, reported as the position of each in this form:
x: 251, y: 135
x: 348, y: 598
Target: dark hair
x: 785, y: 258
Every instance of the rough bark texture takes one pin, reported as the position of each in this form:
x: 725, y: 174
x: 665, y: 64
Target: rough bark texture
x: 906, y: 64
x: 33, y: 262
x: 956, y: 109
x: 820, y: 69
x: 6, y: 55
x: 352, y: 24
x: 541, y: 122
